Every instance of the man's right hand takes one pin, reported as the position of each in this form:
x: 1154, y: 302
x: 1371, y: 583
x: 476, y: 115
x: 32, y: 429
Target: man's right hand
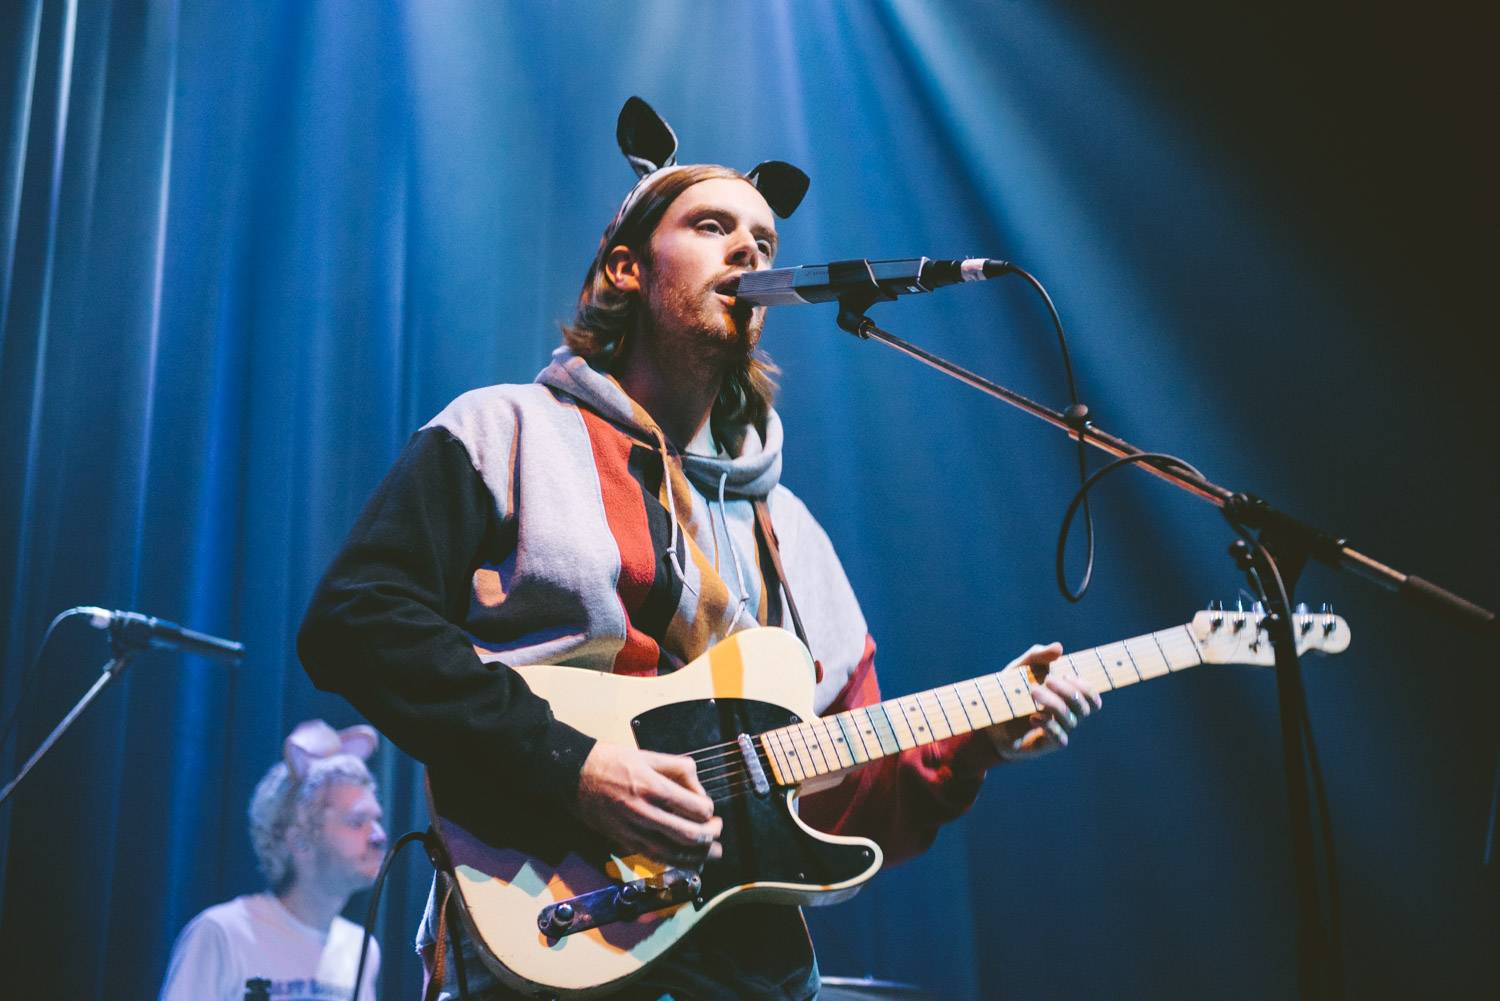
x: 648, y: 803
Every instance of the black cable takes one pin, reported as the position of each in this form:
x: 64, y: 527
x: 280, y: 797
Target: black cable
x: 1077, y: 418
x: 371, y: 912
x: 30, y: 675
x: 1159, y: 459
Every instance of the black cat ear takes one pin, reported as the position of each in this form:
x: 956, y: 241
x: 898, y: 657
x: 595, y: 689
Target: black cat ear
x: 781, y: 185
x: 645, y: 138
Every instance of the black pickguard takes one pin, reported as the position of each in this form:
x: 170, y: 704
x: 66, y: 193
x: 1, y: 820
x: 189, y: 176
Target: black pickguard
x: 762, y: 843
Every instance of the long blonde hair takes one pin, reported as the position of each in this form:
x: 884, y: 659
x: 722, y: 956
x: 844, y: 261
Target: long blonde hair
x: 606, y: 316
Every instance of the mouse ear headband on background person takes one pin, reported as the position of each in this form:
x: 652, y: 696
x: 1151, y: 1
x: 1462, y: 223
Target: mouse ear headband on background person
x: 650, y: 145
x: 314, y: 739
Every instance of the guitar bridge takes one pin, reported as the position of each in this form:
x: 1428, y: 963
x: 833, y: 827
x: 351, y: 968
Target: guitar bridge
x: 623, y: 902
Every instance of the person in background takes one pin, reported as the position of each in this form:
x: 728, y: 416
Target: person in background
x: 316, y: 828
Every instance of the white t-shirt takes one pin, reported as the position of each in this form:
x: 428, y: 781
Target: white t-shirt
x: 256, y: 936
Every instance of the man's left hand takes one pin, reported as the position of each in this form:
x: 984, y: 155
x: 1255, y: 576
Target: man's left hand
x: 1062, y: 703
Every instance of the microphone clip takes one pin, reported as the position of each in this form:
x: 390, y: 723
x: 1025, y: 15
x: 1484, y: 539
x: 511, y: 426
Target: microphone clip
x: 130, y: 634
x: 863, y: 291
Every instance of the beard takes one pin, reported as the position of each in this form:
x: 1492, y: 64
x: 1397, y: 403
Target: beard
x: 695, y: 321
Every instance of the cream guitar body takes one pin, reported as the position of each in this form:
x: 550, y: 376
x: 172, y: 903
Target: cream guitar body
x: 557, y: 914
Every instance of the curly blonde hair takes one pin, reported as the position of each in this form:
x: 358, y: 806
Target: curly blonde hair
x: 606, y: 316
x: 285, y: 808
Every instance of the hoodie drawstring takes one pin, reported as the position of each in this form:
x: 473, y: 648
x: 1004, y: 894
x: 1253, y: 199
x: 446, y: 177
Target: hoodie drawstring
x: 666, y: 476
x: 739, y: 573
x: 734, y: 554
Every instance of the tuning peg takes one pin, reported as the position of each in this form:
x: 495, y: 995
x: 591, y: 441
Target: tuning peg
x: 1217, y: 607
x: 1303, y: 620
x: 1239, y: 614
x: 1329, y: 625
x: 1301, y: 608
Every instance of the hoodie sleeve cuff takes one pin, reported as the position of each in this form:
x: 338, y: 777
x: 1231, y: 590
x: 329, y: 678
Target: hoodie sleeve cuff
x: 555, y: 765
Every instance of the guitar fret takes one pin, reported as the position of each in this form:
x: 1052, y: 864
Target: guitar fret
x: 1117, y: 664
x: 809, y: 761
x: 993, y: 694
x: 899, y: 726
x: 1017, y: 692
x: 1146, y: 653
x: 958, y: 717
x: 834, y: 738
x: 856, y: 752
x: 973, y: 701
x: 916, y: 718
x: 884, y: 732
x: 826, y: 747
x: 780, y: 773
x: 798, y: 768
x: 953, y: 708
x: 864, y: 733
x: 1178, y: 647
x: 779, y: 762
x: 943, y: 728
x: 1091, y: 671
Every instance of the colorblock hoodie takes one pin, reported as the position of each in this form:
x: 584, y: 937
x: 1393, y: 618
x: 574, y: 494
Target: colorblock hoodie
x: 553, y: 523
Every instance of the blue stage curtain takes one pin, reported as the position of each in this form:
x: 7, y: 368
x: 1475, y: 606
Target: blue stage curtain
x: 247, y: 248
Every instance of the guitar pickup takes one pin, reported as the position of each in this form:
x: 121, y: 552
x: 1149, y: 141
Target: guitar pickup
x: 622, y: 902
x: 758, y: 780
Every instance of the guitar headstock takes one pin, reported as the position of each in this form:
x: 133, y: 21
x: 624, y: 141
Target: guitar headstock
x: 1239, y: 636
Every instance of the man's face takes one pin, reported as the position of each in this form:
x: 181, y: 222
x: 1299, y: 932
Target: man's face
x: 346, y: 849
x: 711, y: 233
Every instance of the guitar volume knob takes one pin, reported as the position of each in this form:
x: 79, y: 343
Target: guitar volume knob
x: 556, y: 921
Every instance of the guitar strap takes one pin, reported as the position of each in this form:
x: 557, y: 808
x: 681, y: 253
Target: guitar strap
x: 766, y: 535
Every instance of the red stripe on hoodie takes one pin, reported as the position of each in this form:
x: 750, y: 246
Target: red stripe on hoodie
x: 625, y: 512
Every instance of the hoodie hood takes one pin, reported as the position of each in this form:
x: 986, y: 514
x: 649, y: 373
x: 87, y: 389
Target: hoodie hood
x: 753, y: 472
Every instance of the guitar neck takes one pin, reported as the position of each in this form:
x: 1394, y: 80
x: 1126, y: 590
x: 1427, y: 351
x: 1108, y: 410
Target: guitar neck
x: 848, y: 740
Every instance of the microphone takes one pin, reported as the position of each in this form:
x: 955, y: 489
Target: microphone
x: 829, y: 282
x: 140, y: 631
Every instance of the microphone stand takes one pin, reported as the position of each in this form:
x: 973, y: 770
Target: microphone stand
x: 1283, y: 546
x: 124, y: 642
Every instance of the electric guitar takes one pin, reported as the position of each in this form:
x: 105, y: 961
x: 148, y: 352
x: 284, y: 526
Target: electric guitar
x: 556, y: 913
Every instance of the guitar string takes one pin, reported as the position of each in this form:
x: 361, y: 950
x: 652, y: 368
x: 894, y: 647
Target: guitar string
x: 724, y: 764
x: 729, y: 748
x: 731, y: 780
x: 932, y: 699
x: 726, y: 758
x: 734, y: 783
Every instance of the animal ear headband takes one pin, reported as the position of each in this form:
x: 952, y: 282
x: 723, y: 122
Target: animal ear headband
x: 650, y: 145
x: 314, y: 740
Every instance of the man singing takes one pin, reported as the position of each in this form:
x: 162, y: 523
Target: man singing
x: 315, y: 827
x: 606, y: 517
